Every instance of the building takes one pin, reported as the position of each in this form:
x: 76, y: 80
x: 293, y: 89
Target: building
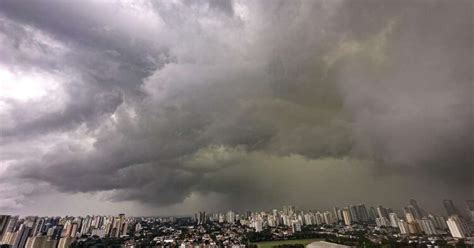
x: 296, y: 226
x: 354, y: 213
x: 40, y: 242
x: 439, y: 222
x: 12, y: 224
x: 230, y: 217
x: 450, y: 208
x: 417, y: 211
x: 382, y: 212
x: 201, y: 218
x: 21, y: 236
x: 470, y: 208
x: 8, y: 238
x: 394, y: 219
x: 65, y: 242
x: 414, y: 227
x: 428, y: 226
x: 4, y: 219
x: 409, y: 217
x: 362, y: 212
x: 403, y: 226
x: 456, y: 227
x: 258, y: 225
x: 347, y: 217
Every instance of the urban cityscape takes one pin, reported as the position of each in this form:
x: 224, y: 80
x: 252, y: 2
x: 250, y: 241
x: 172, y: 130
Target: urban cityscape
x: 352, y: 226
x: 236, y: 123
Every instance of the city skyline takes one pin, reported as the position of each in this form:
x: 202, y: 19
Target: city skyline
x: 173, y: 107
x: 463, y: 209
x: 352, y: 225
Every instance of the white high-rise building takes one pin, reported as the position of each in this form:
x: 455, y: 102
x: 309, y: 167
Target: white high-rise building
x: 307, y: 219
x: 347, y: 217
x: 296, y: 226
x: 409, y: 217
x: 394, y: 219
x: 258, y: 225
x: 456, y: 227
x: 428, y: 226
x: 382, y: 221
x: 230, y: 217
x: 404, y: 228
x: 328, y: 219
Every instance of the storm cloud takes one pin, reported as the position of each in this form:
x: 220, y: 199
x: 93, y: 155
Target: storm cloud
x: 179, y: 105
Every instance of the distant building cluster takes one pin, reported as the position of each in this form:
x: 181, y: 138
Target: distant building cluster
x: 233, y: 229
x: 414, y: 221
x: 57, y: 232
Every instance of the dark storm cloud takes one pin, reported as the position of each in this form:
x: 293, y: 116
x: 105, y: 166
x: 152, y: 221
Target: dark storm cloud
x: 413, y: 106
x: 252, y: 102
x: 104, y: 63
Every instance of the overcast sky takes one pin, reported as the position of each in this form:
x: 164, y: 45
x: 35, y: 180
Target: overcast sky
x: 171, y: 107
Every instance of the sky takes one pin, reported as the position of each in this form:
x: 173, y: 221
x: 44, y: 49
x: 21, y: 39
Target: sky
x: 173, y: 107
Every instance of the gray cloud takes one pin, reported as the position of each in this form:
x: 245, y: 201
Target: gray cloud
x: 242, y: 104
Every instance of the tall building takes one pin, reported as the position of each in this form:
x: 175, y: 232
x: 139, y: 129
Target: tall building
x: 382, y: 212
x: 450, y: 208
x: 413, y: 227
x: 8, y: 238
x: 230, y: 217
x: 12, y: 224
x: 37, y: 229
x: 65, y: 242
x: 403, y: 225
x: 21, y: 236
x: 439, y: 222
x: 37, y: 242
x: 201, y: 218
x: 336, y: 214
x: 362, y: 212
x: 409, y: 216
x: 412, y: 211
x: 328, y: 218
x: 394, y: 219
x: 354, y: 213
x: 456, y: 227
x: 347, y: 217
x: 372, y: 214
x: 296, y: 226
x: 258, y: 225
x: 4, y: 219
x: 470, y: 208
x: 417, y: 211
x: 428, y: 226
x: 382, y: 222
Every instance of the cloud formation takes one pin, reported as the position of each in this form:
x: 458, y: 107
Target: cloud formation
x: 239, y: 104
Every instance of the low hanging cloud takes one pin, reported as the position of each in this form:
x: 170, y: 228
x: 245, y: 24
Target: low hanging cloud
x: 241, y: 104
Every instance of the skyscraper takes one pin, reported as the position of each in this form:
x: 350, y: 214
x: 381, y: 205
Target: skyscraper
x: 230, y: 217
x: 394, y: 219
x: 382, y: 212
x: 450, y: 208
x: 403, y: 225
x: 456, y: 227
x: 201, y: 218
x: 347, y: 217
x: 470, y: 208
x: 12, y: 224
x: 362, y: 212
x: 354, y: 213
x: 418, y: 212
x: 21, y: 237
x: 427, y: 226
x: 4, y: 219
